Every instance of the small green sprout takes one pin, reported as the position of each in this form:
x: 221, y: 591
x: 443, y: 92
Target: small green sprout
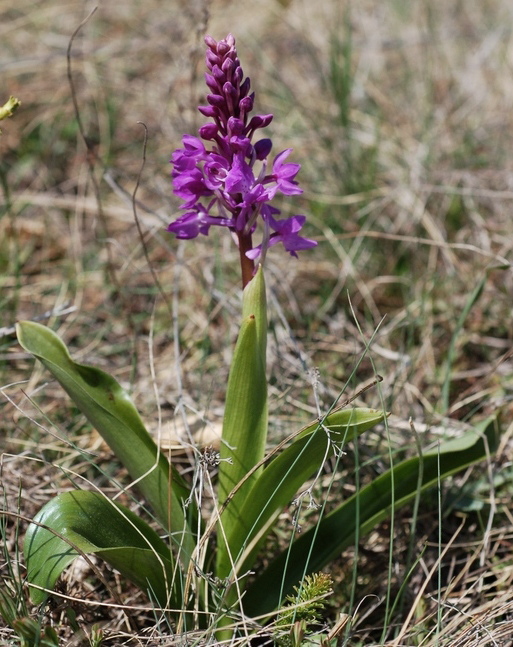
x: 304, y: 608
x: 9, y: 108
x: 96, y: 637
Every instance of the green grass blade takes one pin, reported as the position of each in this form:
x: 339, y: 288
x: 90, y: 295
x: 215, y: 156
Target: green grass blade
x: 472, y: 299
x: 280, y: 481
x: 93, y: 524
x: 337, y: 530
x: 245, y: 419
x: 110, y: 410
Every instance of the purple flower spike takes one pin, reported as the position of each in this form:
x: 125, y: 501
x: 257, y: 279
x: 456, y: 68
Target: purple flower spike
x: 231, y: 173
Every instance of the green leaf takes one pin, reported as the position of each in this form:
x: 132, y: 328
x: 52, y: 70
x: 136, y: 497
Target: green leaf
x: 254, y: 303
x: 29, y: 630
x: 320, y: 545
x: 280, y: 481
x: 110, y: 410
x: 245, y: 418
x: 94, y: 524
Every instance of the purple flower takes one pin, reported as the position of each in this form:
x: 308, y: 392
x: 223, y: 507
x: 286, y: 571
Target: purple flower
x: 228, y: 182
x: 283, y: 175
x: 286, y: 232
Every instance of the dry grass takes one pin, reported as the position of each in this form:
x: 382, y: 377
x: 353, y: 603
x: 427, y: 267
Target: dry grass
x: 408, y: 179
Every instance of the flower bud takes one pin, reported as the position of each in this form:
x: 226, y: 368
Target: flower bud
x: 218, y: 74
x: 208, y: 131
x: 259, y: 121
x: 209, y: 111
x: 223, y: 48
x: 211, y: 82
x: 210, y: 42
x: 212, y: 59
x: 263, y: 148
x: 227, y: 67
x: 235, y: 126
x: 216, y: 100
x: 246, y: 105
x: 244, y: 87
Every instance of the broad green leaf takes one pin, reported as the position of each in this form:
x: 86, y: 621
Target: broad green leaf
x: 320, y: 545
x: 111, y: 411
x: 281, y: 480
x: 94, y: 524
x: 254, y: 303
x: 245, y: 418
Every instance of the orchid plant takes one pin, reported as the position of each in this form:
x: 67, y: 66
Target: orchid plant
x: 203, y: 570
